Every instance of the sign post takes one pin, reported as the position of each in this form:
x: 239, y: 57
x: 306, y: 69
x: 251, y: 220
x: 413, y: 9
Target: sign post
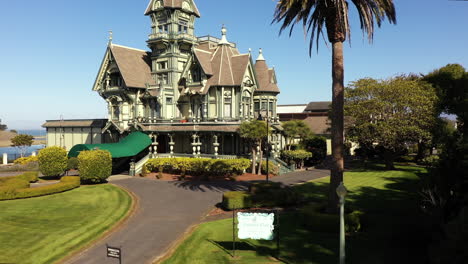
x: 114, y: 252
x: 257, y: 225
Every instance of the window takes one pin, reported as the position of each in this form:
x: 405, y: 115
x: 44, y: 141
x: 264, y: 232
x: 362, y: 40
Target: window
x: 227, y: 108
x: 169, y: 100
x: 115, y: 112
x: 163, y: 28
x: 162, y: 65
x: 183, y: 27
x: 115, y: 80
x: 163, y: 78
x: 196, y: 74
x: 257, y: 106
x: 264, y: 106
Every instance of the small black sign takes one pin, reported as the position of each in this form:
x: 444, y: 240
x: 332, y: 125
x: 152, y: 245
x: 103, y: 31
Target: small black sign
x: 113, y: 252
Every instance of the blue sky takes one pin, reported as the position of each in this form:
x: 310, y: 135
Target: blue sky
x: 50, y: 51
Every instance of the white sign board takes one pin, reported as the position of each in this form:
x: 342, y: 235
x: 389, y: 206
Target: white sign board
x: 255, y: 225
x: 113, y: 252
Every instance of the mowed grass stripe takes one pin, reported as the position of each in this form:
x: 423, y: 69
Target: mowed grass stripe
x: 86, y: 231
x: 45, y: 229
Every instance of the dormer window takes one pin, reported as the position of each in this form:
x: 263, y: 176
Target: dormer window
x: 196, y: 74
x: 115, y: 80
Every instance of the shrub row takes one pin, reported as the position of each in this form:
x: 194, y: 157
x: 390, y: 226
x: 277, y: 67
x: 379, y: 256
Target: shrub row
x: 66, y: 183
x: 197, y: 166
x: 262, y: 194
x: 26, y: 160
x: 315, y: 220
x: 30, y: 176
x: 272, y: 168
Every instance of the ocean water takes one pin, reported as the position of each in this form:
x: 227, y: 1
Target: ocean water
x: 32, y: 132
x: 13, y: 153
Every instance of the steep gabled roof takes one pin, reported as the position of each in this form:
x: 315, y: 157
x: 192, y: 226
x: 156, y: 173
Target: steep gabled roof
x: 265, y: 76
x: 204, y: 58
x: 134, y: 66
x: 175, y: 4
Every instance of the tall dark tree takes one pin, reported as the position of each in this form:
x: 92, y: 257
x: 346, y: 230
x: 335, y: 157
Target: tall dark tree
x: 332, y: 16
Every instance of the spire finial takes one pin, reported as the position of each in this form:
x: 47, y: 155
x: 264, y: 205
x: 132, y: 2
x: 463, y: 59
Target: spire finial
x: 224, y: 38
x: 260, y: 55
x: 110, y: 37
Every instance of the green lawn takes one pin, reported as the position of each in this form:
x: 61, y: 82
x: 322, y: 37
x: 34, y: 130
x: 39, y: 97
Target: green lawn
x: 392, y: 232
x: 46, y: 229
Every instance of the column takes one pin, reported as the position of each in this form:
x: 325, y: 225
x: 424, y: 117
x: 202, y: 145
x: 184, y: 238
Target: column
x: 171, y: 144
x: 215, y: 145
x: 5, y: 159
x: 155, y: 145
x: 34, y: 154
x: 194, y: 145
x: 199, y: 146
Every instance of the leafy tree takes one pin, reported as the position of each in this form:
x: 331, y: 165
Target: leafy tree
x: 296, y: 156
x: 296, y: 129
x: 317, y: 16
x: 451, y: 84
x: 254, y: 131
x: 3, y: 127
x: 22, y: 142
x: 390, y: 113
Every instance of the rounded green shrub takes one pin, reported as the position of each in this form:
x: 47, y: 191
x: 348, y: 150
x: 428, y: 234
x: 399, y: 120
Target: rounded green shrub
x: 52, y: 161
x: 95, y: 166
x: 236, y: 200
x: 72, y: 163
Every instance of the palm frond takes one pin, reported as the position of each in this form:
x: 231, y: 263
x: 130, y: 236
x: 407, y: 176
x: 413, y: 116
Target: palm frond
x: 332, y: 15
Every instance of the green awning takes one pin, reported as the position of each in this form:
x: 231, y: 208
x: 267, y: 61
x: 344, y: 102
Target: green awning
x: 130, y: 146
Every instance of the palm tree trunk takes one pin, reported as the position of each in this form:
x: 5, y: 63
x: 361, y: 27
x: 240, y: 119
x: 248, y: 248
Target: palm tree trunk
x: 337, y: 126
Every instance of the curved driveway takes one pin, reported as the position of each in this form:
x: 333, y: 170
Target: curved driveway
x: 166, y: 210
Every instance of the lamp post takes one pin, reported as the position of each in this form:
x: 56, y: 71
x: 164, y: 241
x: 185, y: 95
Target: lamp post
x: 267, y: 144
x: 341, y: 192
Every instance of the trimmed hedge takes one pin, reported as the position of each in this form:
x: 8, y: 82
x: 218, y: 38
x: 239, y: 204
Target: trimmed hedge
x: 315, y: 220
x: 272, y: 168
x: 236, y: 200
x: 30, y: 176
x: 95, y: 166
x: 17, y: 187
x: 262, y: 194
x: 52, y: 161
x: 198, y: 166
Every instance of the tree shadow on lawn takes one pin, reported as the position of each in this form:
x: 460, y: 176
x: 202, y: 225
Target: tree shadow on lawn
x: 297, y: 244
x: 392, y: 225
x: 212, y: 186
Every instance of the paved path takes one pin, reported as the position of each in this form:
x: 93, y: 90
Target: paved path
x: 166, y: 210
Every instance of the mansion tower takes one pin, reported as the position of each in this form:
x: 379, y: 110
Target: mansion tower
x: 188, y: 93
